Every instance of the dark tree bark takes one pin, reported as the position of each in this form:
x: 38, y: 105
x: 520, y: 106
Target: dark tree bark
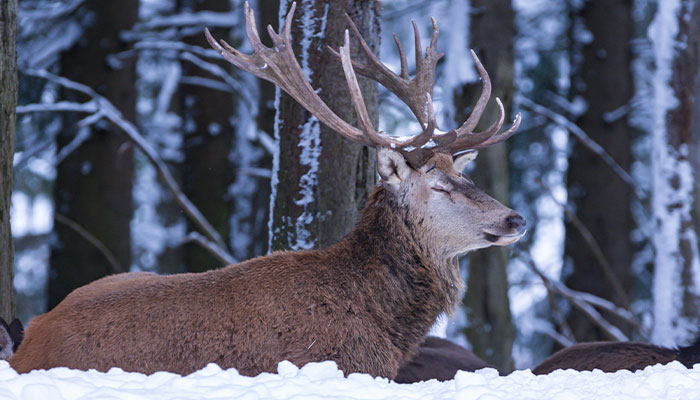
x: 323, y: 178
x: 8, y: 103
x: 207, y: 171
x: 93, y: 184
x: 683, y: 129
x: 490, y: 327
x: 599, y: 197
x: 689, y: 80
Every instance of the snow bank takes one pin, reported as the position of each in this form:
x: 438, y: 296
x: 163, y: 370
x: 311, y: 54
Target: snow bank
x: 324, y: 381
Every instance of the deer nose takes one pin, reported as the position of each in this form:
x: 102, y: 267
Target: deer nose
x: 516, y: 223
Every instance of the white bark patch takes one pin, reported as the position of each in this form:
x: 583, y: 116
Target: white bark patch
x: 672, y: 185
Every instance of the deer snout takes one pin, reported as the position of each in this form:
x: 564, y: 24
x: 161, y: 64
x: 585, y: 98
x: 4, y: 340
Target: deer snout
x: 516, y: 223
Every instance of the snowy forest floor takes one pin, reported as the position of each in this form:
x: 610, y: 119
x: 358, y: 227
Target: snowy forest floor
x: 325, y: 381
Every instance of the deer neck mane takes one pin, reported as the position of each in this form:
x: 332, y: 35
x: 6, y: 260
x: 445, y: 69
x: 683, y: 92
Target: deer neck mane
x: 388, y: 237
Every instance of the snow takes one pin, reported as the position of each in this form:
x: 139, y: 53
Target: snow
x: 324, y: 381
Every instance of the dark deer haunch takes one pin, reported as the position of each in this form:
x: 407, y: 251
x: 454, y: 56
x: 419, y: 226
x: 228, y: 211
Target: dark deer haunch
x: 366, y: 302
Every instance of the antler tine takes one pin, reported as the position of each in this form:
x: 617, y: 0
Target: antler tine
x: 475, y: 116
x: 418, y: 48
x: 402, y: 56
x: 356, y: 95
x: 502, y: 136
x: 413, y: 92
x: 251, y: 29
x: 466, y: 139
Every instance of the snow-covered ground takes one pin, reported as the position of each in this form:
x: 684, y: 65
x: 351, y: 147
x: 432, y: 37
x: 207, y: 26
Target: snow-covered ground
x: 325, y: 381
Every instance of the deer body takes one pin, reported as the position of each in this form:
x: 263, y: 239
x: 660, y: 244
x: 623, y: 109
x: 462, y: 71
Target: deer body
x: 366, y: 302
x: 439, y: 359
x: 615, y: 356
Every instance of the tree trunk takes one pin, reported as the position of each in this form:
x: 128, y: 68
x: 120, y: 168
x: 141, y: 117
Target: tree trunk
x: 93, y: 184
x: 321, y: 179
x: 8, y: 102
x: 207, y: 171
x: 676, y: 40
x: 490, y: 327
x: 690, y: 59
x: 599, y: 197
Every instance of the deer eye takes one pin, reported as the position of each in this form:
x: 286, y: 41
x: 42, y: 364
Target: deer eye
x: 441, y: 189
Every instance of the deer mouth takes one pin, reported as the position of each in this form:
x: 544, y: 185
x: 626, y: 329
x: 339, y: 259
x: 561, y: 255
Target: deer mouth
x: 502, y: 240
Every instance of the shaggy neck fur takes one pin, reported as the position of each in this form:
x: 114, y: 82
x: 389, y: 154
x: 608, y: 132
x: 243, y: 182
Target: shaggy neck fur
x: 410, y: 284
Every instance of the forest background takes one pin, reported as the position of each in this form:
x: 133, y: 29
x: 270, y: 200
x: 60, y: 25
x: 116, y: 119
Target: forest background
x: 137, y: 147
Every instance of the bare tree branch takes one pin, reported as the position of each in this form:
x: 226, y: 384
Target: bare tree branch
x: 586, y: 141
x: 77, y: 228
x: 563, y: 340
x: 592, y: 243
x: 112, y: 114
x: 584, y: 301
x: 211, y: 247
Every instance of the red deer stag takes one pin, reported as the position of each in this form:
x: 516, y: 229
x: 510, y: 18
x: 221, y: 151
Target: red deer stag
x: 614, y: 356
x: 365, y: 302
x: 439, y: 359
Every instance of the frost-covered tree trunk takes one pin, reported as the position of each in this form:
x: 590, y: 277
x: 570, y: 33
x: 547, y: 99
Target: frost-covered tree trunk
x: 207, y: 171
x: 8, y: 102
x: 602, y: 77
x: 93, y: 188
x: 676, y: 286
x: 490, y: 327
x: 320, y: 179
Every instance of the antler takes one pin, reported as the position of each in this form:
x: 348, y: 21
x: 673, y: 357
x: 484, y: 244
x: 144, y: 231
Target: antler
x: 279, y: 66
x: 417, y: 94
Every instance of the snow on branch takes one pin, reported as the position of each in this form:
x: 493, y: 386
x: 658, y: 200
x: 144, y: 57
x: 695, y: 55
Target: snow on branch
x: 89, y: 107
x: 111, y: 113
x: 162, y: 45
x: 227, y: 19
x: 586, y: 141
x: 219, y: 72
x: 46, y: 11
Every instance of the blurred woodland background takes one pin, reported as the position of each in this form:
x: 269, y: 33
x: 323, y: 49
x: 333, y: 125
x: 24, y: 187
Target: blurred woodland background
x: 137, y: 147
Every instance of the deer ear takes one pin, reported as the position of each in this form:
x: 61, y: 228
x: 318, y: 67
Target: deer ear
x: 392, y: 166
x: 461, y: 161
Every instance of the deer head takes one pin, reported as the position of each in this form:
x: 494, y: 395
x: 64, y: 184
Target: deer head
x: 424, y: 171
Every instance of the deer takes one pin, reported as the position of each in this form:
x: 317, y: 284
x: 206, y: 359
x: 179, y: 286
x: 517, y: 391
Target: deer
x: 615, y: 356
x: 439, y: 359
x: 10, y: 337
x: 365, y: 302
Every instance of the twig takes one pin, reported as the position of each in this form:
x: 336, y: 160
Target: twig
x: 220, y: 73
x: 112, y: 114
x: 586, y: 141
x: 210, y: 246
x: 557, y: 337
x: 206, y: 83
x: 592, y: 244
x: 226, y: 19
x: 582, y: 302
x: 116, y: 267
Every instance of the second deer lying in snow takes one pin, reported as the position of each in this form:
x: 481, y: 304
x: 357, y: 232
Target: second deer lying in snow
x: 439, y: 359
x: 365, y: 302
x: 615, y: 356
